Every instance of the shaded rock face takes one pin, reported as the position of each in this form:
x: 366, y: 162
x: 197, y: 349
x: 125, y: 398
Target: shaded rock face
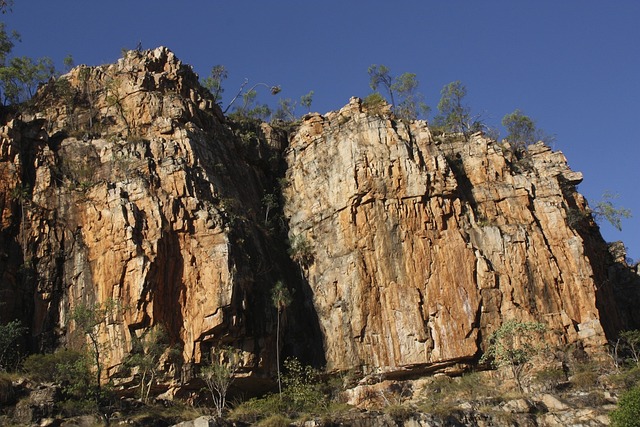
x: 137, y: 193
x: 127, y: 184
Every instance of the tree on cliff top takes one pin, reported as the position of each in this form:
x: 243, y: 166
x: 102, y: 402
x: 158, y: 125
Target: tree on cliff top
x: 19, y: 76
x: 411, y: 103
x: 455, y: 116
x: 214, y: 81
x: 522, y: 130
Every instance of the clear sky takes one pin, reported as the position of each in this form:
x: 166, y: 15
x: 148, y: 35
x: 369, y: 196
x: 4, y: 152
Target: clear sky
x: 572, y: 65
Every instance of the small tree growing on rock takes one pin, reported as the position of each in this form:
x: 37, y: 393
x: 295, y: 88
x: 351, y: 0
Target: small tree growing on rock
x: 300, y: 250
x: 147, y: 351
x: 513, y: 345
x: 306, y: 100
x: 89, y: 319
x: 214, y: 82
x: 220, y: 374
x: 607, y: 210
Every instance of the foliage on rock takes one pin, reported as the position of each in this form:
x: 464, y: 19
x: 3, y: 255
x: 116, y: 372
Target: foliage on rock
x: 627, y: 414
x: 220, y: 374
x: 513, y: 345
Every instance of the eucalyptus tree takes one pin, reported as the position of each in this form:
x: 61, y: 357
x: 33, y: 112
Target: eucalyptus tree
x: 410, y: 102
x: 455, y: 115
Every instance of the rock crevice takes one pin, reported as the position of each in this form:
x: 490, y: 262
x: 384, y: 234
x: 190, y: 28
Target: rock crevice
x: 415, y: 247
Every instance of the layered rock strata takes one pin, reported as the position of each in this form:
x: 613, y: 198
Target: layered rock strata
x: 423, y: 246
x: 138, y: 197
x: 403, y: 251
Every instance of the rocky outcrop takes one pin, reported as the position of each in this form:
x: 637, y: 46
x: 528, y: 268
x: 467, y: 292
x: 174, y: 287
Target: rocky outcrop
x: 423, y: 246
x: 403, y: 251
x: 136, y: 192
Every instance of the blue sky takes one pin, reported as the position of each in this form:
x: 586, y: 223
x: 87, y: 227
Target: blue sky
x: 572, y: 65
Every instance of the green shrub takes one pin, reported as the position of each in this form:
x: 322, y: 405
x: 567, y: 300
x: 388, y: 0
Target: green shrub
x: 276, y: 420
x: 586, y: 375
x: 584, y: 380
x: 399, y: 413
x: 550, y: 378
x: 628, y: 378
x: 10, y: 344
x: 77, y: 407
x: 256, y: 409
x: 513, y: 345
x: 71, y: 369
x: 302, y: 388
x: 303, y: 393
x: 375, y: 103
x: 165, y: 414
x: 6, y: 389
x: 627, y: 414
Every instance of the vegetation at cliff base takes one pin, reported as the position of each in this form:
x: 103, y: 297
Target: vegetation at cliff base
x: 627, y: 414
x: 11, y: 350
x: 220, y: 374
x: 513, y: 345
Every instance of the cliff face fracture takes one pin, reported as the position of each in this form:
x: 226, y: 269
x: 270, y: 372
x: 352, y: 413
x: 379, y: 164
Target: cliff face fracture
x: 407, y: 250
x: 422, y: 246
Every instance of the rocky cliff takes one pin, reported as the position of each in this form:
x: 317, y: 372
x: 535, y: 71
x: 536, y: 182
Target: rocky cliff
x: 403, y: 250
x: 423, y: 246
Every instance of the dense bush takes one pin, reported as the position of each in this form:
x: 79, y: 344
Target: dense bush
x: 71, y: 369
x: 10, y: 348
x: 628, y: 412
x: 303, y: 393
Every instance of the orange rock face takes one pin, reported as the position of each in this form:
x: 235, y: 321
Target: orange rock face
x: 136, y: 195
x: 407, y: 250
x: 423, y: 246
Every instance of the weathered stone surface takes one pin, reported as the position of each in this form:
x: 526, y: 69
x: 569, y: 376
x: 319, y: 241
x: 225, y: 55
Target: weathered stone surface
x: 417, y: 248
x: 39, y: 404
x: 552, y: 403
x: 421, y: 247
x: 155, y: 204
x: 203, y: 421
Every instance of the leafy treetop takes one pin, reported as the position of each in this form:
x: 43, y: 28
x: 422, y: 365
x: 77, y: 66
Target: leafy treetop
x: 455, y: 116
x: 411, y: 103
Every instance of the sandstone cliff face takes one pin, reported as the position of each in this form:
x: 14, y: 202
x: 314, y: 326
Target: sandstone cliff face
x: 129, y: 185
x: 138, y: 194
x: 423, y: 246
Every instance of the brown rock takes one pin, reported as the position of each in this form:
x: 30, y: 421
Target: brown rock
x: 421, y: 247
x: 414, y: 248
